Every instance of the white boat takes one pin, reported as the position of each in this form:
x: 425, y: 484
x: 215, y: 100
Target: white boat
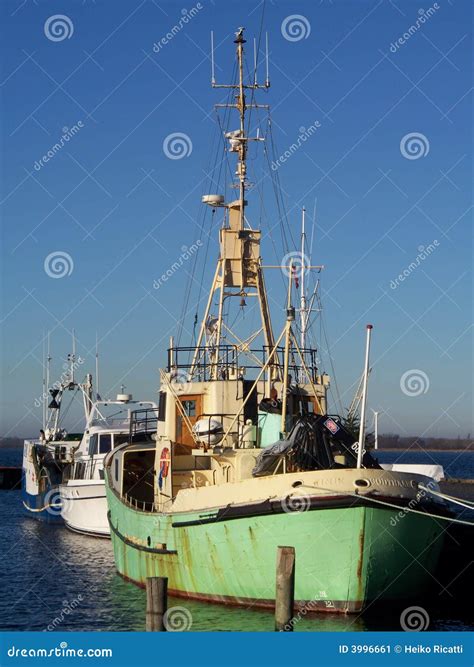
x: 83, y: 499
x: 47, y: 460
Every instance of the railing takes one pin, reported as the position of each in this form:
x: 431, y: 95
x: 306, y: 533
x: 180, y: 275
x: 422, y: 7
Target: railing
x: 142, y: 505
x: 234, y: 362
x: 143, y: 423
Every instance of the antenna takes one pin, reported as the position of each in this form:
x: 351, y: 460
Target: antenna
x: 213, y: 73
x: 376, y: 428
x: 97, y: 366
x: 303, y: 292
x: 254, y: 61
x: 360, y: 450
x: 313, y: 227
x: 45, y: 389
x: 48, y: 362
x: 267, y: 74
x: 72, y: 357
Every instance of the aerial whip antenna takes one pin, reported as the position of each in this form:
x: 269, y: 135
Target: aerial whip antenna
x: 254, y: 61
x: 97, y: 367
x: 213, y: 73
x: 267, y: 70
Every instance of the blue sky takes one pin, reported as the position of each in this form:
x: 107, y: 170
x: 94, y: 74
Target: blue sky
x: 122, y: 210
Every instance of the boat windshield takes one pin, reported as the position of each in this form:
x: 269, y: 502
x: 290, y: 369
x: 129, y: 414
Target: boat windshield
x: 114, y: 416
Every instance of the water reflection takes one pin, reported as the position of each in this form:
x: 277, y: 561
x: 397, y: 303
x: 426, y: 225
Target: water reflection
x: 46, y: 568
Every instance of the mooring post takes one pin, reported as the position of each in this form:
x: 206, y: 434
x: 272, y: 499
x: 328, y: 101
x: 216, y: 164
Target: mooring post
x: 156, y: 603
x: 285, y: 589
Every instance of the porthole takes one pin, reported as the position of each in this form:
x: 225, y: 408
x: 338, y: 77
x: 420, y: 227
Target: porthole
x: 361, y: 483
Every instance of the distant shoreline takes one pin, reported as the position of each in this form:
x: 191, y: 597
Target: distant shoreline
x: 421, y: 449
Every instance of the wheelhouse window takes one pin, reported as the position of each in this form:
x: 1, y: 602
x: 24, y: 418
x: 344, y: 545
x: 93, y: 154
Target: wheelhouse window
x: 93, y: 444
x: 120, y: 439
x: 105, y: 443
x: 79, y: 470
x: 162, y: 407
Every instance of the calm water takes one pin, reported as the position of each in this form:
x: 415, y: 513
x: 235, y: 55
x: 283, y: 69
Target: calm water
x: 456, y: 464
x: 48, y: 569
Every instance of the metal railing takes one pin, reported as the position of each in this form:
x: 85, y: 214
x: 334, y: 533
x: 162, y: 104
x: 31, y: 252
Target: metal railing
x: 142, y: 505
x: 233, y: 361
x: 143, y: 423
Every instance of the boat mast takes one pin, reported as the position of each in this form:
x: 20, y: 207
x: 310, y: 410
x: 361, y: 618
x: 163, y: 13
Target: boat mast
x: 44, y: 383
x: 87, y: 395
x: 241, y: 165
x: 97, y: 367
x: 48, y: 363
x: 239, y: 270
x: 303, y: 292
x: 72, y: 358
x: 376, y: 429
x: 290, y: 316
x: 46, y: 379
x: 360, y: 450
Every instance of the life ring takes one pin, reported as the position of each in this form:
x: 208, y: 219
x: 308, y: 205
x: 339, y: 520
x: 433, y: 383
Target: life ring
x: 164, y: 465
x: 164, y: 462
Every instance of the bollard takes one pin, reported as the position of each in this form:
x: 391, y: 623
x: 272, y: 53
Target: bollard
x: 156, y: 603
x: 285, y: 589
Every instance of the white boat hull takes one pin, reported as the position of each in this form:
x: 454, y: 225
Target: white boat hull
x: 84, y: 507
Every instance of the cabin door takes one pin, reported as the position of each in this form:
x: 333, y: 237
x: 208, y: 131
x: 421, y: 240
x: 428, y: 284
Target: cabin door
x: 192, y: 407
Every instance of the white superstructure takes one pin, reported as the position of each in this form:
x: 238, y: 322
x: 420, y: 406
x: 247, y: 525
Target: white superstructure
x: 83, y: 501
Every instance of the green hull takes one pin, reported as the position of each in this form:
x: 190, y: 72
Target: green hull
x: 345, y: 557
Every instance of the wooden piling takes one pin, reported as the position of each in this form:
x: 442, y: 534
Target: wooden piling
x: 285, y: 589
x: 156, y: 603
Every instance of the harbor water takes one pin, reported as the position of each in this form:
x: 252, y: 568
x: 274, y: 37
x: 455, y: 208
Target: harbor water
x: 53, y: 579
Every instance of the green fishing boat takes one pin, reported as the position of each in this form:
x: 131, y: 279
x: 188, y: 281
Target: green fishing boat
x: 242, y: 456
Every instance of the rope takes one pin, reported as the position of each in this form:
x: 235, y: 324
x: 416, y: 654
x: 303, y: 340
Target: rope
x: 41, y: 509
x: 468, y: 504
x: 397, y: 507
